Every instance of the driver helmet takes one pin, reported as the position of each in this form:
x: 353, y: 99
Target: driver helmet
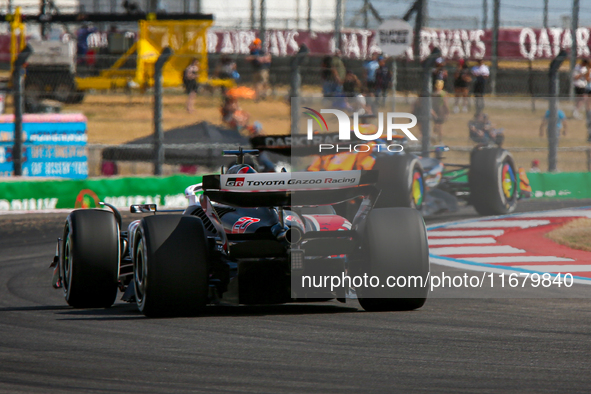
x: 241, y: 169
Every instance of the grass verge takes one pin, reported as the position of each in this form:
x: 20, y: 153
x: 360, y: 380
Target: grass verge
x: 575, y: 234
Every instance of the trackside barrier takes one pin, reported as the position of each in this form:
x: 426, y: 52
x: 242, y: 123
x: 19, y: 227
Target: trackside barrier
x: 32, y: 195
x: 565, y: 185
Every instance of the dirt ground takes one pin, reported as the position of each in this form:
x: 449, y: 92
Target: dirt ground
x: 576, y: 234
x: 118, y: 118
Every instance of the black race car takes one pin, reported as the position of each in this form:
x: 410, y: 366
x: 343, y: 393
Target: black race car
x: 249, y: 238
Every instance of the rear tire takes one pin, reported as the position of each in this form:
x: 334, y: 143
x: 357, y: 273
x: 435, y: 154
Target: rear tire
x: 395, y: 243
x: 493, y: 181
x: 401, y: 181
x: 170, y: 266
x: 89, y: 264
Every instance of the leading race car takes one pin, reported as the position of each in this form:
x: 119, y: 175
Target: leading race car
x: 248, y: 238
x: 491, y: 182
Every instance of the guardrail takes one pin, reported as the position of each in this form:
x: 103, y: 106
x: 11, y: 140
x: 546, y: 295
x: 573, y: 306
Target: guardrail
x: 34, y: 195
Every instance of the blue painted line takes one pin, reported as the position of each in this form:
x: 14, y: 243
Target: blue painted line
x: 502, y: 267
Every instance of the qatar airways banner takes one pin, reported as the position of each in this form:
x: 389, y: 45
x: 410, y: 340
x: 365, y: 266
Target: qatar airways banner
x: 514, y: 43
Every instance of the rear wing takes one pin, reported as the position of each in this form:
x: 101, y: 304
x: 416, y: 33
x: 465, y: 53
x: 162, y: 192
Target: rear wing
x: 289, y: 188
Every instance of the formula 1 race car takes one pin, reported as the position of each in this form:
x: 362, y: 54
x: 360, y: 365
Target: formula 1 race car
x: 248, y: 238
x: 491, y: 182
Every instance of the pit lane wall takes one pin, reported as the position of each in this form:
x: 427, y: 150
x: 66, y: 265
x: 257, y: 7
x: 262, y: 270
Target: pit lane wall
x: 33, y: 194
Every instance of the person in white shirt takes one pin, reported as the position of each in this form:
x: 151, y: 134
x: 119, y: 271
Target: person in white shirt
x: 481, y: 74
x: 581, y: 85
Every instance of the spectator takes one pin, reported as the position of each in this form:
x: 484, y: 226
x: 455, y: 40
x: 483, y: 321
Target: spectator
x: 233, y: 115
x: 261, y: 63
x: 383, y: 79
x: 226, y: 69
x: 462, y: 79
x: 439, y: 110
x: 82, y: 42
x: 332, y: 85
x: 369, y: 68
x: 131, y: 6
x: 351, y: 84
x: 190, y: 81
x: 581, y: 85
x: 560, y: 123
x: 439, y: 72
x: 481, y: 74
x: 351, y: 88
x: 339, y: 66
x: 482, y: 132
x: 535, y: 166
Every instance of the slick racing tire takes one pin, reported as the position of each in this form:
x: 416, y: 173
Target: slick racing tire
x: 493, y: 181
x: 170, y: 266
x: 401, y: 181
x: 89, y: 264
x: 395, y: 243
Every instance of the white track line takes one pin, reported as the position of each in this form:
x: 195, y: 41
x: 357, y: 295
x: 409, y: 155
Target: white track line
x: 559, y: 214
x: 464, y: 233
x: 518, y: 259
x: 501, y: 223
x: 500, y: 249
x: 557, y: 268
x: 462, y: 241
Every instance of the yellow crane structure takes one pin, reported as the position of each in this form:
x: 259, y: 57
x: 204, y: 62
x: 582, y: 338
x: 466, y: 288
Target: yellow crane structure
x: 187, y: 38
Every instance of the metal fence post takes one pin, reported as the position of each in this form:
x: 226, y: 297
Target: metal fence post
x: 530, y: 83
x: 338, y: 23
x: 309, y: 22
x: 553, y: 89
x: 495, y: 46
x: 19, y: 107
x: 419, y: 7
x: 253, y: 17
x: 574, y: 48
x: 425, y: 103
x: 263, y: 25
x: 394, y: 83
x: 545, y: 17
x: 158, y: 133
x: 296, y: 83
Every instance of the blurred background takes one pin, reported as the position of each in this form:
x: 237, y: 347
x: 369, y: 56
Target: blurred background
x: 97, y: 58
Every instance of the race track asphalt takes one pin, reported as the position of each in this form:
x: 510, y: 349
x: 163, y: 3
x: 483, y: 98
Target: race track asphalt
x: 449, y: 345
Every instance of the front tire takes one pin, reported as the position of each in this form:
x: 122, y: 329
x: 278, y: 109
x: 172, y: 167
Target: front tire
x: 493, y: 181
x: 395, y: 243
x: 89, y: 264
x: 170, y: 266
